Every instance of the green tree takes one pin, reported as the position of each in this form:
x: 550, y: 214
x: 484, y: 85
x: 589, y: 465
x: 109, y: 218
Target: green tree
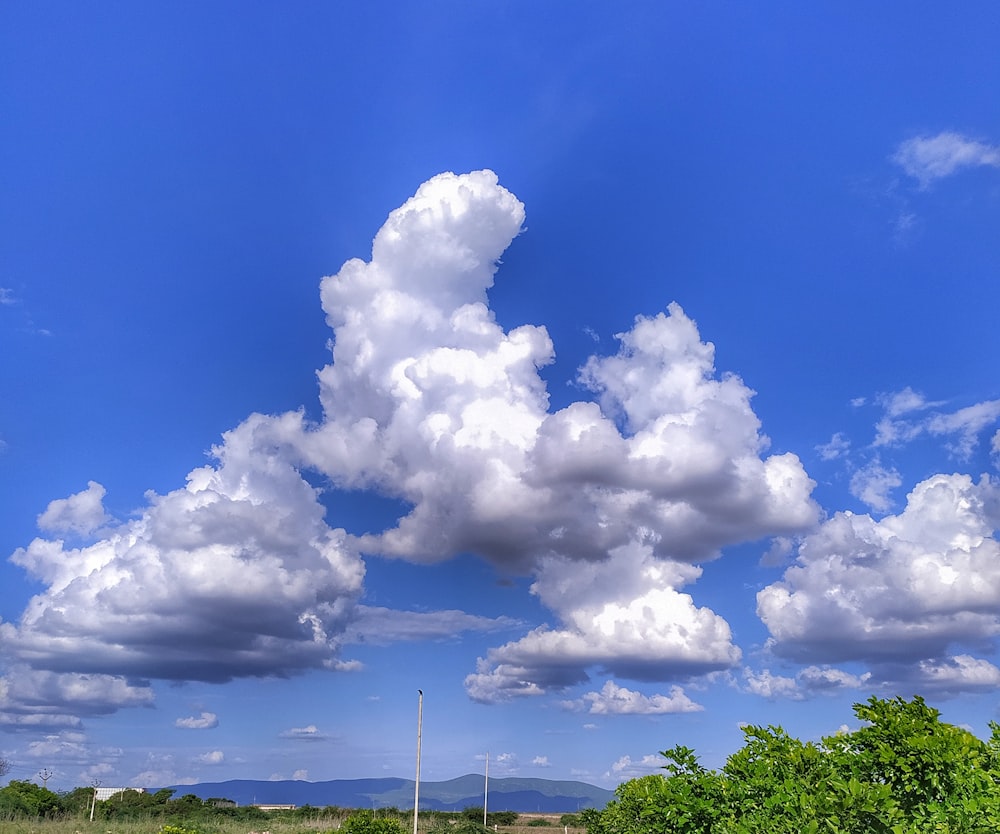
x: 28, y: 799
x: 364, y: 822
x: 903, y: 772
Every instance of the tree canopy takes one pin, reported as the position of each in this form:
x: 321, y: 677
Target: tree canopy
x: 903, y: 772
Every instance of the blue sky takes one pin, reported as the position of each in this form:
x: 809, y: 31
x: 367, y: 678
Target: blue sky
x: 617, y: 376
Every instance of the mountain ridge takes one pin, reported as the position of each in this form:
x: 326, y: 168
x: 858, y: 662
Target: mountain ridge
x: 505, y: 793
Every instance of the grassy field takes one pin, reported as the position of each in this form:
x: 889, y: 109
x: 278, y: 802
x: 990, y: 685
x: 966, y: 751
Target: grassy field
x: 527, y: 824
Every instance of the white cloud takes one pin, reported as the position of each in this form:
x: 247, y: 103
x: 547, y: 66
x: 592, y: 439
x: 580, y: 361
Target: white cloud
x: 965, y: 424
x: 430, y: 402
x: 308, y: 733
x: 205, y: 721
x: 929, y: 158
x: 768, y: 685
x: 236, y: 574
x: 617, y: 700
x: 301, y: 775
x: 873, y: 485
x: 213, y: 757
x: 81, y: 513
x: 7, y: 296
x: 902, y: 590
x: 813, y: 680
x: 623, y: 615
x: 838, y: 446
x: 625, y: 768
x: 46, y: 700
x: 541, y: 761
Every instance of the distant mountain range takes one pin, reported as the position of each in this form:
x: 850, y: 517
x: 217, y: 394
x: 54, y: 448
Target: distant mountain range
x: 506, y: 794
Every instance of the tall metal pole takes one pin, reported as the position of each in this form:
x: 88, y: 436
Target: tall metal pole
x: 416, y: 785
x: 486, y: 788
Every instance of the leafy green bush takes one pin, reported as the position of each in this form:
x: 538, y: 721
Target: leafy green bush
x: 903, y: 772
x: 27, y: 799
x: 364, y: 822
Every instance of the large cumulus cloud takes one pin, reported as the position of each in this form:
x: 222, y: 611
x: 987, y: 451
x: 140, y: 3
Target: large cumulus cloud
x: 236, y: 574
x: 608, y: 503
x: 902, y: 593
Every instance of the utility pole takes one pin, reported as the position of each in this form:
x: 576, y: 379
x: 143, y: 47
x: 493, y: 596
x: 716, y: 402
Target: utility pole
x: 93, y: 803
x: 45, y: 774
x: 486, y: 788
x: 416, y: 787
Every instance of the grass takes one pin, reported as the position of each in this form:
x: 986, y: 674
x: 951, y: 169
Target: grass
x: 272, y: 825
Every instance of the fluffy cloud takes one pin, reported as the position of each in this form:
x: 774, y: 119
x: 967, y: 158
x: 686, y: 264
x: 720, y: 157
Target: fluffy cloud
x: 429, y: 401
x: 963, y: 427
x: 929, y: 158
x: 617, y: 700
x: 898, y: 592
x: 837, y: 447
x: 44, y: 700
x: 624, y: 616
x: 873, y: 485
x: 213, y: 757
x: 81, y: 513
x: 205, y: 721
x: 237, y: 574
x: 309, y: 733
x: 813, y: 680
x: 625, y: 768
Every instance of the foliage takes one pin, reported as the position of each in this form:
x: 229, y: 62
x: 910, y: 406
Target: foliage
x: 28, y: 799
x: 364, y: 822
x: 475, y: 813
x: 903, y: 772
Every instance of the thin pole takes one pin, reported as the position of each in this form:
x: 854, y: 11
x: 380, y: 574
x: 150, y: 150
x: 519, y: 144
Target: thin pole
x: 486, y: 789
x: 416, y: 784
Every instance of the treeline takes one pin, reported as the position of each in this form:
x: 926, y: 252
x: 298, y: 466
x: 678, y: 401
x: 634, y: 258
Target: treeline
x: 903, y: 772
x: 21, y: 799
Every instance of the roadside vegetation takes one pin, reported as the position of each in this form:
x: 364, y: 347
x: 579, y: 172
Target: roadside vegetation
x: 904, y: 771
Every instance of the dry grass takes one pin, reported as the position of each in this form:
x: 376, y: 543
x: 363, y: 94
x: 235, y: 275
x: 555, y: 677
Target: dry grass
x: 226, y: 826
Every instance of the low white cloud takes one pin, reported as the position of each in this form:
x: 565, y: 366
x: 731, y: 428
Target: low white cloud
x: 301, y: 775
x: 81, y: 513
x: 7, y: 296
x: 541, y: 761
x: 308, y: 733
x: 205, y: 721
x: 234, y: 575
x: 965, y: 425
x: 40, y: 699
x: 769, y: 685
x: 900, y: 423
x: 902, y: 591
x: 617, y: 700
x: 625, y: 768
x: 624, y: 616
x: 874, y: 483
x: 213, y: 757
x: 430, y: 402
x: 929, y: 158
x: 806, y: 683
x: 837, y: 447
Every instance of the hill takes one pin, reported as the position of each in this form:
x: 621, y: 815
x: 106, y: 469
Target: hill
x: 506, y: 794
